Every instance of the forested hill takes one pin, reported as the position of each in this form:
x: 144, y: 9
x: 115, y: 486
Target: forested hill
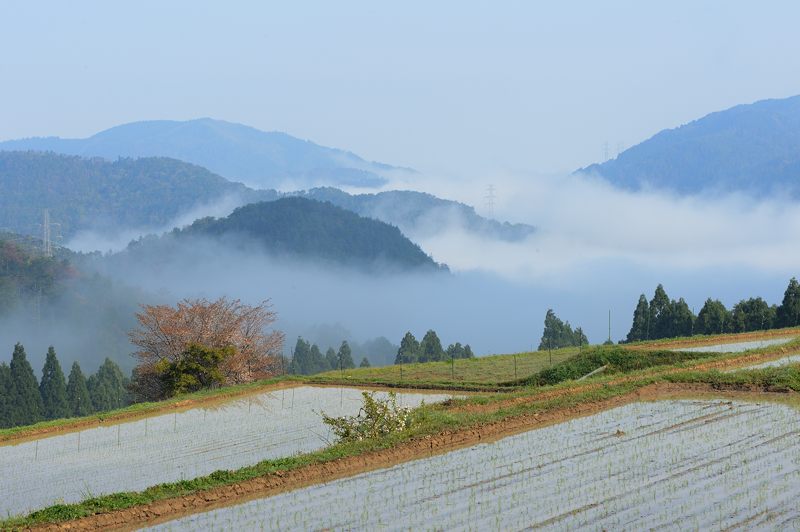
x: 149, y: 194
x: 25, y: 273
x: 420, y: 214
x: 751, y: 148
x: 313, y: 230
x: 260, y: 159
x: 94, y: 193
x: 49, y: 301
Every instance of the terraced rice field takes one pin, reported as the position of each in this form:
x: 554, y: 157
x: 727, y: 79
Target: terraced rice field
x: 678, y: 464
x: 136, y: 455
x: 791, y: 359
x: 736, y: 347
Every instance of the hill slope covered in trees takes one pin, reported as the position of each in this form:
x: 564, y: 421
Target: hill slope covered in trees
x: 752, y: 148
x: 53, y: 301
x: 304, y: 229
x: 90, y: 193
x: 149, y: 193
x: 419, y: 213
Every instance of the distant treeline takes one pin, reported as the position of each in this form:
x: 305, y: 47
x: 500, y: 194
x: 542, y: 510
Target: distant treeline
x: 663, y: 317
x: 429, y: 350
x: 24, y: 400
x: 308, y: 359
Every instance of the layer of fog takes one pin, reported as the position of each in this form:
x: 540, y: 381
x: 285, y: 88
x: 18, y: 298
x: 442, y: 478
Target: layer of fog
x: 109, y: 238
x: 88, y: 322
x: 584, y: 219
x: 595, y: 251
x: 493, y: 313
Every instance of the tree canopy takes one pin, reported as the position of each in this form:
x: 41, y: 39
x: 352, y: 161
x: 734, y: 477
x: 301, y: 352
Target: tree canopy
x: 788, y: 313
x: 165, y: 334
x: 559, y: 334
x: 345, y: 356
x: 665, y: 318
x: 53, y: 388
x: 108, y: 388
x: 408, y: 352
x: 78, y: 400
x: 430, y: 348
x: 199, y: 368
x: 26, y: 403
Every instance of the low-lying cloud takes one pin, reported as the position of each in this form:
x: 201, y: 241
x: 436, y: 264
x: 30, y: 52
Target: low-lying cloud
x: 583, y: 220
x: 596, y: 249
x: 110, y: 239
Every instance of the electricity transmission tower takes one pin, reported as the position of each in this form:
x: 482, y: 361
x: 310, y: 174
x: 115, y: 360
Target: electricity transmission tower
x: 47, y: 233
x: 489, y: 200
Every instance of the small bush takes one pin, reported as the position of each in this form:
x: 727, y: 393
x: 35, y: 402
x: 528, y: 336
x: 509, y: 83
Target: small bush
x: 376, y: 418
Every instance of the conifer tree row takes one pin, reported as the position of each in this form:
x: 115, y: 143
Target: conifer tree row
x: 24, y: 400
x: 307, y: 359
x: 663, y: 317
x: 53, y: 388
x: 429, y: 349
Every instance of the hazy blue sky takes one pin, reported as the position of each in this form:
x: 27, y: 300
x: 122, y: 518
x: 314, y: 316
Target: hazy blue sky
x: 441, y: 86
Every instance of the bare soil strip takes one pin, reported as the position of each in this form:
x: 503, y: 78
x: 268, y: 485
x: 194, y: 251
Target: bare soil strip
x: 166, y: 510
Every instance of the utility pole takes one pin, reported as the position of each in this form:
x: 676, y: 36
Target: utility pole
x: 609, y: 326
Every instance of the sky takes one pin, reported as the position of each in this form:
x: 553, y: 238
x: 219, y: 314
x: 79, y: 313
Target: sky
x: 450, y: 88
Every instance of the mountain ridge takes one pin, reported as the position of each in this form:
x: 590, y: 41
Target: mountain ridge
x: 260, y: 159
x: 753, y: 148
x: 150, y: 193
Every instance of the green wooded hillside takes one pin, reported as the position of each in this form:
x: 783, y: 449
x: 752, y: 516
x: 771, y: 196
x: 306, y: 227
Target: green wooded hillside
x: 94, y: 193
x: 311, y: 229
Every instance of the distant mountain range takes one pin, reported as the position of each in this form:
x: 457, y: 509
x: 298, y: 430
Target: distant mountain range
x: 302, y: 229
x: 751, y: 148
x: 151, y: 193
x: 237, y: 152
